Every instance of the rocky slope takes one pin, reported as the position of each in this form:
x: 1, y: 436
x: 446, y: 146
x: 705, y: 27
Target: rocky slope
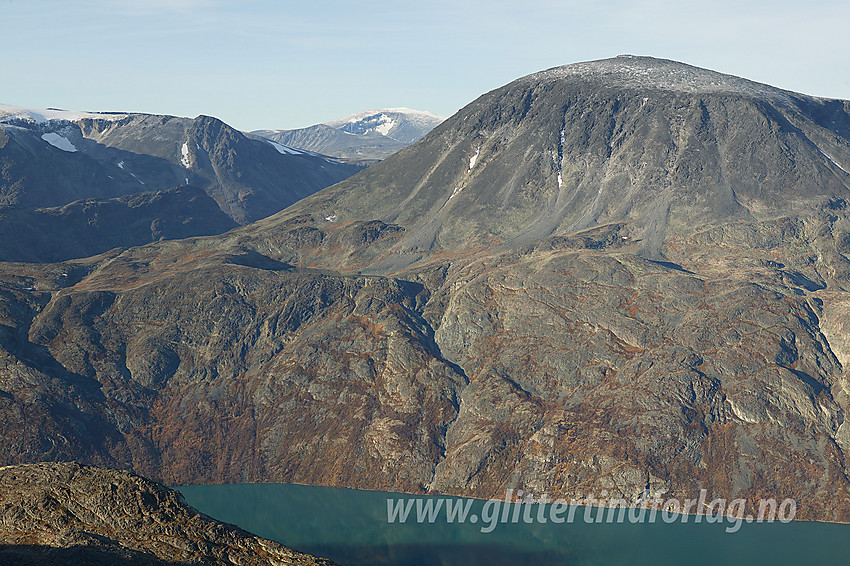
x: 71, y: 514
x: 659, y: 300
x: 364, y: 137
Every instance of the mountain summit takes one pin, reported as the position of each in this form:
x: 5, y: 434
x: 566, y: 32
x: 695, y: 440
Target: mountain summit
x: 640, y: 72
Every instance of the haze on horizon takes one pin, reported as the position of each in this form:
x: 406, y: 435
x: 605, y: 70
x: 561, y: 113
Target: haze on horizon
x: 264, y: 64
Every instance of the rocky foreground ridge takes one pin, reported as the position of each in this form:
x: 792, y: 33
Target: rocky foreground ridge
x: 631, y: 273
x: 52, y: 514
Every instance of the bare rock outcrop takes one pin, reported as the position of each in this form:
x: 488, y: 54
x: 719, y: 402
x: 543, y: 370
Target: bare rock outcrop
x: 65, y: 513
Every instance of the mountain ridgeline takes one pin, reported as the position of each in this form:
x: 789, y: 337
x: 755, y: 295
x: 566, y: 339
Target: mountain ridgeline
x: 616, y: 275
x: 54, y: 158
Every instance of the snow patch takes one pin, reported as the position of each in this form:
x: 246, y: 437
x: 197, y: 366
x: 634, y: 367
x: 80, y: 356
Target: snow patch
x: 59, y: 142
x: 474, y: 158
x: 284, y: 149
x: 331, y: 218
x: 386, y: 124
x: 833, y: 161
x: 561, y: 158
x: 184, y: 160
x: 456, y: 192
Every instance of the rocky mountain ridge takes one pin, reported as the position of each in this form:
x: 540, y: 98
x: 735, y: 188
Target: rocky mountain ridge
x: 121, y: 154
x: 52, y: 158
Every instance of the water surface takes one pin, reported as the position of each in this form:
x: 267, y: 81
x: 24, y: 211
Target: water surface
x: 351, y: 528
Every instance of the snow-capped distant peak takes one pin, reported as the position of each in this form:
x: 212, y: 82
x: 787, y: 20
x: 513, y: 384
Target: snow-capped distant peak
x: 59, y: 142
x: 40, y: 116
x: 373, y: 134
x: 401, y: 124
x: 406, y: 113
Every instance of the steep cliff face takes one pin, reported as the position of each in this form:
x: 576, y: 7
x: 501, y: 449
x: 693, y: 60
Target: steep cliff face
x: 71, y: 514
x: 655, y: 298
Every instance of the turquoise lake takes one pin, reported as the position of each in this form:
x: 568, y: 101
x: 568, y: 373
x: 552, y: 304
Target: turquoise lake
x: 351, y: 527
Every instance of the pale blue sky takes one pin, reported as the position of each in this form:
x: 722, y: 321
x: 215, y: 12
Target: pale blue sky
x: 264, y: 64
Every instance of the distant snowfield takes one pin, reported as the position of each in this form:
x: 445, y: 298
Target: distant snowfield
x: 59, y: 142
x: 40, y: 116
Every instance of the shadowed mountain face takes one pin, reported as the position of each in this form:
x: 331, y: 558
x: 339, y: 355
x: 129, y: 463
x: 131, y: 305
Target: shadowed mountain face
x: 70, y: 514
x: 610, y: 276
x: 88, y: 227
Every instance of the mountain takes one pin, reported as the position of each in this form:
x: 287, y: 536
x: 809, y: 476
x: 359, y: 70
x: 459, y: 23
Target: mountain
x: 52, y: 158
x: 70, y: 514
x: 613, y: 276
x: 401, y: 124
x: 663, y: 146
x: 363, y: 137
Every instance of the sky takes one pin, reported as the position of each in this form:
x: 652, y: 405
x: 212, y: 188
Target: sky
x: 282, y: 64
